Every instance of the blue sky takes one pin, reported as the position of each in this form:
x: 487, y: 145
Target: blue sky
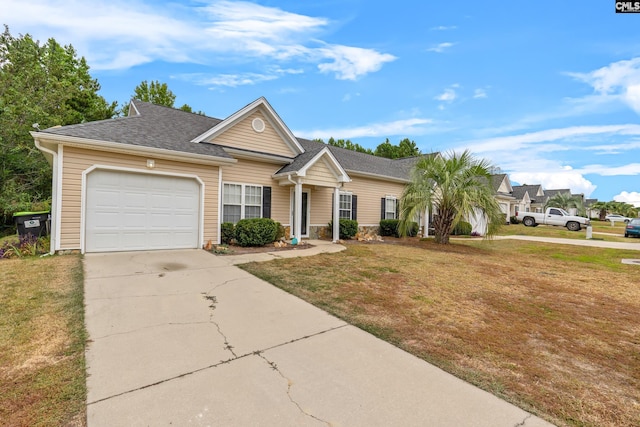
x: 548, y: 91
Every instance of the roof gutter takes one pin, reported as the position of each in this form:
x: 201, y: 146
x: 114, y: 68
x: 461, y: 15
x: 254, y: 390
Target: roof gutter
x: 53, y: 232
x: 118, y: 147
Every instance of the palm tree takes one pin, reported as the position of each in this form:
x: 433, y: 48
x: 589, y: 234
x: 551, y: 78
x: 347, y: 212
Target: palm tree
x: 457, y: 187
x: 603, y: 208
x: 621, y: 208
x: 566, y: 201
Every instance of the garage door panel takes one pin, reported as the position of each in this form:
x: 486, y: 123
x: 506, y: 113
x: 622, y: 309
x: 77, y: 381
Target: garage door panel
x: 128, y: 211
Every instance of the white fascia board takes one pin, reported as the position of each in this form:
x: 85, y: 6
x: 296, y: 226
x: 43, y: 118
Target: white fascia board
x: 380, y: 177
x: 117, y: 147
x: 281, y: 128
x: 265, y: 157
x: 342, y: 174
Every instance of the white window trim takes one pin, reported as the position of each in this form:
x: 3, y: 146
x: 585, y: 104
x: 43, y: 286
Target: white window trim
x: 243, y: 203
x: 386, y: 203
x: 350, y: 194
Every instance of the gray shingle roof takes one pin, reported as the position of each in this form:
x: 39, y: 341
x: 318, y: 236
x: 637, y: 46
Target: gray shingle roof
x: 155, y: 126
x: 167, y: 128
x: 532, y: 190
x: 519, y: 191
x: 550, y: 193
x: 354, y: 161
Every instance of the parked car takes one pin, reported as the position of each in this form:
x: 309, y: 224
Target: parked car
x: 553, y: 216
x: 617, y: 218
x: 632, y: 228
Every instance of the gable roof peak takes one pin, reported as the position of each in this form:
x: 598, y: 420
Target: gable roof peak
x: 263, y: 105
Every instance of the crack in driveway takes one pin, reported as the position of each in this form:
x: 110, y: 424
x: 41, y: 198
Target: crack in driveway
x: 274, y: 366
x: 215, y: 365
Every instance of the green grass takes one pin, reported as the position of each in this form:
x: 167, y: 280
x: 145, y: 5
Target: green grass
x: 42, y: 341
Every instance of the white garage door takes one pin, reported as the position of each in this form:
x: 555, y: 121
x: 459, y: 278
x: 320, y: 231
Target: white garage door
x: 130, y: 211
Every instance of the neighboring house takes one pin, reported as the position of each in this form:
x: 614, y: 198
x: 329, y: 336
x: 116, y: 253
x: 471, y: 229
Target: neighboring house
x: 522, y: 201
x: 163, y: 178
x: 502, y: 191
x: 536, y: 196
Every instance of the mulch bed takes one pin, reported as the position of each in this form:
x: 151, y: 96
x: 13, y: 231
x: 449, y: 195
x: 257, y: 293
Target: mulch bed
x: 240, y: 250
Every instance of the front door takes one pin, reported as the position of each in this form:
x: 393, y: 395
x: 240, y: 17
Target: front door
x: 304, y: 226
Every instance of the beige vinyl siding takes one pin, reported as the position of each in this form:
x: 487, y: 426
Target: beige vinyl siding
x: 242, y: 136
x: 77, y: 160
x: 320, y: 174
x: 369, y: 192
x: 258, y: 173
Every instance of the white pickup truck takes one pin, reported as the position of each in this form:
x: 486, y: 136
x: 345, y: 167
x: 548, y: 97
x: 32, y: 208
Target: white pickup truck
x: 553, y: 216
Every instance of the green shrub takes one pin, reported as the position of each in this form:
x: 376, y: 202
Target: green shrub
x: 227, y: 229
x: 281, y: 232
x: 462, y: 228
x: 255, y: 231
x: 390, y: 227
x: 348, y: 228
x: 514, y: 220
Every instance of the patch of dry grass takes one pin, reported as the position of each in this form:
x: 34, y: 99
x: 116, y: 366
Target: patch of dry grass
x: 543, y: 326
x: 42, y: 370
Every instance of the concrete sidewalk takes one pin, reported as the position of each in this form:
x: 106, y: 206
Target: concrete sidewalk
x: 186, y: 338
x: 575, y: 242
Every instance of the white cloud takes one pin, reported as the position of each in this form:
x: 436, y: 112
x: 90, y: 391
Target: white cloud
x: 531, y: 157
x: 234, y: 80
x: 449, y: 95
x: 620, y: 80
x: 440, y: 47
x: 479, y: 93
x: 632, y: 198
x: 443, y: 28
x: 348, y: 96
x: 119, y: 34
x: 398, y: 127
x: 349, y: 63
x: 533, y: 140
x: 562, y: 178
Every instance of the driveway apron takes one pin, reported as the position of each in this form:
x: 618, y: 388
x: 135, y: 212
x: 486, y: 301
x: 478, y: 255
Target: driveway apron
x: 186, y: 338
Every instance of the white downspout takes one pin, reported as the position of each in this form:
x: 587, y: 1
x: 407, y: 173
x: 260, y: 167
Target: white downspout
x: 53, y: 232
x: 336, y: 215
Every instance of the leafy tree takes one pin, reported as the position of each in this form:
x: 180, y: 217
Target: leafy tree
x: 406, y: 148
x: 455, y: 187
x: 347, y: 144
x: 44, y: 84
x: 155, y: 93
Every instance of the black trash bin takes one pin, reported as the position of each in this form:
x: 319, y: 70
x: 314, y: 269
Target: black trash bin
x: 34, y: 223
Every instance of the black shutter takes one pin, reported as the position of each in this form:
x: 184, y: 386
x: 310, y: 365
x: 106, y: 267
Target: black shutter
x: 354, y: 206
x: 383, y: 207
x: 266, y: 202
x: 397, y: 209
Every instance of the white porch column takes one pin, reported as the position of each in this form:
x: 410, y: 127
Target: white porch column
x: 426, y: 223
x: 336, y: 215
x: 297, y: 221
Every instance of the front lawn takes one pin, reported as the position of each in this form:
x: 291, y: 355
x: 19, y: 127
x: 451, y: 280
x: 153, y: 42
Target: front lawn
x: 553, y: 329
x: 42, y: 339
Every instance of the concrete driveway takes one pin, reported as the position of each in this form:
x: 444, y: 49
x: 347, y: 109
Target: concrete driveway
x: 186, y: 338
